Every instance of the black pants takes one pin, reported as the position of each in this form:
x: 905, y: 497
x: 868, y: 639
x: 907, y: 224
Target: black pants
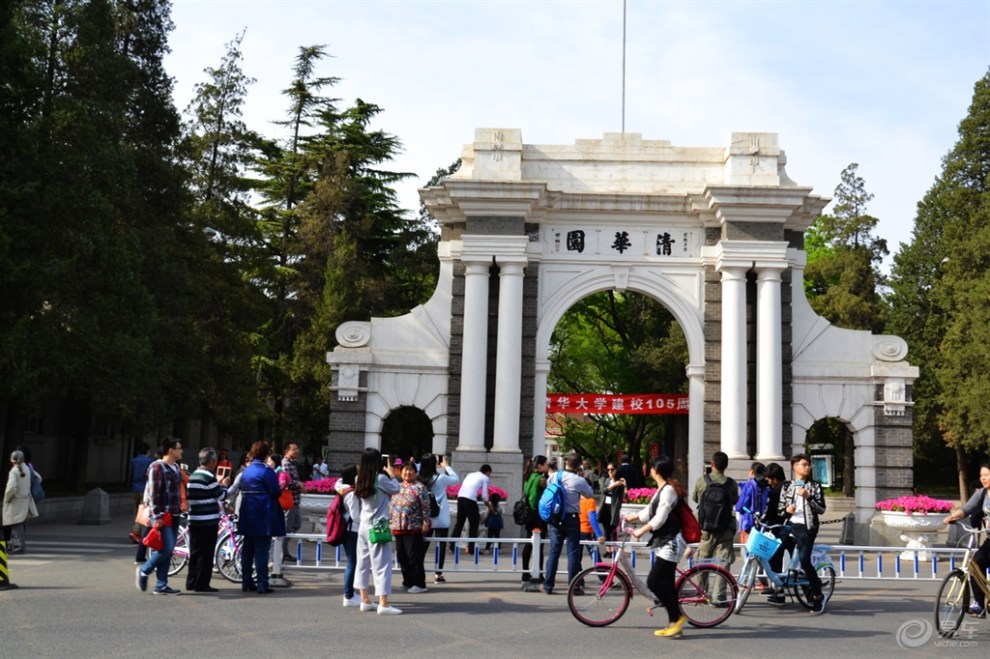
x: 981, y: 558
x: 661, y: 582
x: 527, y: 552
x: 202, y: 544
x: 410, y: 547
x: 467, y: 509
x: 786, y: 544
x: 437, y: 533
x: 804, y: 542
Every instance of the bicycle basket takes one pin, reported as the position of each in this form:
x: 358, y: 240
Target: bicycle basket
x: 762, y: 545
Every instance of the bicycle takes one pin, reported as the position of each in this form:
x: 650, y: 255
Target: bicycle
x: 760, y: 548
x: 227, y: 555
x: 180, y: 554
x: 954, y: 593
x: 706, y: 591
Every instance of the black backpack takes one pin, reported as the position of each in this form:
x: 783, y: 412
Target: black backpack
x: 715, y: 507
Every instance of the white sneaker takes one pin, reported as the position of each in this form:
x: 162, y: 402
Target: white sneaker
x: 368, y: 606
x: 417, y: 589
x: 388, y: 611
x: 353, y: 602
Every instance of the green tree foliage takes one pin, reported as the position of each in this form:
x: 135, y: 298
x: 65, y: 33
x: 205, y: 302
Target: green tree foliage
x: 94, y: 203
x: 153, y: 272
x: 217, y: 149
x: 843, y: 273
x: 339, y: 248
x: 941, y: 283
x: 620, y: 343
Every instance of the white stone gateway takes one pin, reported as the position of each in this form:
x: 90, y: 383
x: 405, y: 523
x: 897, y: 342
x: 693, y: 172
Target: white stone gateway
x: 715, y: 234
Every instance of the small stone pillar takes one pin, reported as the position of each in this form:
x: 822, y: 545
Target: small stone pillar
x: 96, y: 508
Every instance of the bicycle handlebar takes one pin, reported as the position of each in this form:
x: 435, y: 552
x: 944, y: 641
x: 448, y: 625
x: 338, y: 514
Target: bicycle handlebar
x: 967, y: 528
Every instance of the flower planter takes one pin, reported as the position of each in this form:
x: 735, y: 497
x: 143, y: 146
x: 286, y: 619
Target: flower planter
x: 917, y: 531
x: 313, y: 508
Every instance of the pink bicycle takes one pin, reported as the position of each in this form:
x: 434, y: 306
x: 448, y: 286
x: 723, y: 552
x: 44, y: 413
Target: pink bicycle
x: 600, y: 595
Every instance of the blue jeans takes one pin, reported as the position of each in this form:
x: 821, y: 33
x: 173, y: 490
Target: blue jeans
x: 254, y: 554
x: 350, y: 551
x: 160, y: 560
x: 570, y: 531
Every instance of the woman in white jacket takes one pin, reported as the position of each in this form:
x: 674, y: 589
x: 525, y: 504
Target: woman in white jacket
x: 437, y: 476
x: 661, y: 518
x: 18, y: 504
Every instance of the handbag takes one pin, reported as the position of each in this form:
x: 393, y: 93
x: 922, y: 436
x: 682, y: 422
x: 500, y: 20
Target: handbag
x: 380, y: 533
x: 285, y: 500
x: 143, y: 516
x: 521, y: 512
x: 153, y: 539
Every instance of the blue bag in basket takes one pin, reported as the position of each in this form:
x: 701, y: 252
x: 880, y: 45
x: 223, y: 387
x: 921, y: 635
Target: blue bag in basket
x: 762, y: 545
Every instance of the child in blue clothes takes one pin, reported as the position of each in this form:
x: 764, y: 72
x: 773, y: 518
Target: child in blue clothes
x: 493, y: 523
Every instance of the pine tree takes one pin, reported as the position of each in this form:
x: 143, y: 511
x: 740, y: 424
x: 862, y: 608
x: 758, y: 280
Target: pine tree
x: 843, y: 273
x: 941, y: 283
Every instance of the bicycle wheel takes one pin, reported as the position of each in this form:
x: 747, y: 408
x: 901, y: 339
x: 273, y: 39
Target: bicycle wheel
x: 227, y: 558
x: 180, y: 554
x: 952, y: 602
x: 707, y: 595
x: 747, y: 577
x: 602, y: 599
x: 802, y: 592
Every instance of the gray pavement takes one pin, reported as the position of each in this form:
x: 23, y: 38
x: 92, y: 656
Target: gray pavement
x: 77, y: 599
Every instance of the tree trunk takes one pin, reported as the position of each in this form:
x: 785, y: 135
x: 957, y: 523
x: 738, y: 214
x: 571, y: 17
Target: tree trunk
x: 848, y: 466
x: 962, y: 467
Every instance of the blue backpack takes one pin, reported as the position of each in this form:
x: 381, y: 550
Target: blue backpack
x: 553, y: 502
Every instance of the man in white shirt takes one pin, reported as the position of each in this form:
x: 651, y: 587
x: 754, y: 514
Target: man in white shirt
x: 467, y: 504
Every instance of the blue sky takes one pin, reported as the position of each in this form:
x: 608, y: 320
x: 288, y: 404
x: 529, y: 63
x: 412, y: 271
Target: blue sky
x: 881, y: 83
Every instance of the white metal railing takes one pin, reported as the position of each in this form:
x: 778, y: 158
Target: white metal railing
x: 850, y: 561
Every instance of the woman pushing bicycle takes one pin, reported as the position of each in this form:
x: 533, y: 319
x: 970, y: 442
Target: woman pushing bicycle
x: 668, y: 544
x: 977, y: 509
x: 803, y: 501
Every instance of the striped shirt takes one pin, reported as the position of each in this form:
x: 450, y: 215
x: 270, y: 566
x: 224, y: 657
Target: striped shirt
x: 204, y: 495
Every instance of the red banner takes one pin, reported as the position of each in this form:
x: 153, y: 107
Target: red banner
x: 617, y: 404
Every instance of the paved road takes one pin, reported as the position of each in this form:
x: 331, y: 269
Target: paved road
x: 77, y: 599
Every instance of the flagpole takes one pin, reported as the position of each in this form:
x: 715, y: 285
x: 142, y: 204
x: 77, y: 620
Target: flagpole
x: 623, y: 66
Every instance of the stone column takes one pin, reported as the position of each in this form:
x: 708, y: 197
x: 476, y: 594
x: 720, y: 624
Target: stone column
x: 508, y: 365
x: 734, y: 399
x: 474, y: 356
x: 542, y: 369
x: 769, y: 365
x: 696, y: 424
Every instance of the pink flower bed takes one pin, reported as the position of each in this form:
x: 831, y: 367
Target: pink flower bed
x: 492, y: 489
x: 324, y: 486
x: 916, y: 504
x: 639, y: 494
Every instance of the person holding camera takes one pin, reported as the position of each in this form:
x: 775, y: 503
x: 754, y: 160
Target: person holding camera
x: 375, y: 486
x: 437, y: 476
